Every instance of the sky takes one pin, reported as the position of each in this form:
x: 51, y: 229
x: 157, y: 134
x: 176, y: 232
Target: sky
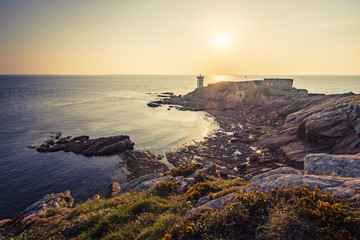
x: 180, y: 37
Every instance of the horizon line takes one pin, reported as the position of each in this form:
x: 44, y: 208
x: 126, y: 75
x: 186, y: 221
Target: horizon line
x: 166, y: 74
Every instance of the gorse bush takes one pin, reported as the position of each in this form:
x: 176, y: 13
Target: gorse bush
x: 166, y: 188
x: 285, y: 213
x: 199, y: 190
x: 185, y: 170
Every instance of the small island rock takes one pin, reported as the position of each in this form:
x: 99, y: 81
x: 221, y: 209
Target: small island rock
x: 90, y: 147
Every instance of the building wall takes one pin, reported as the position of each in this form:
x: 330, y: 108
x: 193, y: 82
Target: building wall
x: 279, y: 83
x: 272, y: 83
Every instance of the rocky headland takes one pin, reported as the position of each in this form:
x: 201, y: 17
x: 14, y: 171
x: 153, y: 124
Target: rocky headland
x: 283, y: 163
x: 263, y: 128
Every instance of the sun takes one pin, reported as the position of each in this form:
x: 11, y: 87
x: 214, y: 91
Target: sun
x: 222, y: 41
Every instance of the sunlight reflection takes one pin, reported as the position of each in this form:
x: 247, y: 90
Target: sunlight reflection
x: 220, y: 78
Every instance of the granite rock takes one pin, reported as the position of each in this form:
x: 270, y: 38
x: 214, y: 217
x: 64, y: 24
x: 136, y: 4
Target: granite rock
x: 344, y: 187
x: 335, y: 165
x: 217, y: 203
x: 58, y: 200
x: 149, y: 184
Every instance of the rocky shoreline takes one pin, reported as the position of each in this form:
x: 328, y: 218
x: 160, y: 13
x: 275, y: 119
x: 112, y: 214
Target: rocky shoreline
x: 268, y: 139
x: 260, y: 130
x: 267, y: 128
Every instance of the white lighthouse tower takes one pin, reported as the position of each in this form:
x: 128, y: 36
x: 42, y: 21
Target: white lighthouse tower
x: 200, y: 81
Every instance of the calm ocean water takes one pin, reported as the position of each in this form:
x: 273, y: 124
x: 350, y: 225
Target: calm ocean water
x: 31, y: 107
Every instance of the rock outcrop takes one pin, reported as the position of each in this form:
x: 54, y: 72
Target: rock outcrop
x: 344, y: 187
x: 153, y: 105
x: 141, y: 162
x: 335, y: 165
x: 151, y: 183
x: 131, y: 185
x: 332, y: 126
x: 58, y: 200
x: 217, y: 203
x: 90, y: 147
x: 113, y: 189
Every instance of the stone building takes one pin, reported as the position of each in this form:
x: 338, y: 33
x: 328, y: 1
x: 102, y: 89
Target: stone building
x: 279, y: 83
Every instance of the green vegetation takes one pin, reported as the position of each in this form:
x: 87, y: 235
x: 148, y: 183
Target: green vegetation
x: 200, y: 190
x: 185, y: 170
x: 165, y: 189
x: 135, y: 215
x: 268, y: 130
x: 285, y: 213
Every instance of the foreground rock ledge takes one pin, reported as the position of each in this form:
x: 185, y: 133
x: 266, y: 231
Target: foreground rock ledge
x: 59, y: 201
x: 334, y: 165
x: 341, y: 186
x: 90, y: 147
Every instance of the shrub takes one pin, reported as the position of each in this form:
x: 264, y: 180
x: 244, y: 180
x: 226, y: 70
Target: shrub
x: 199, y: 190
x: 254, y: 203
x: 283, y: 223
x: 166, y: 188
x: 284, y: 213
x: 200, y: 176
x: 185, y: 170
x: 210, y: 224
x: 322, y: 209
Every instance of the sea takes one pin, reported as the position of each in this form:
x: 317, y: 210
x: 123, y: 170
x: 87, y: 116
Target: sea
x: 32, y: 107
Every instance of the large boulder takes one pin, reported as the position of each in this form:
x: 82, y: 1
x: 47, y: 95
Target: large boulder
x: 344, y: 187
x: 113, y: 189
x: 283, y: 170
x: 336, y: 165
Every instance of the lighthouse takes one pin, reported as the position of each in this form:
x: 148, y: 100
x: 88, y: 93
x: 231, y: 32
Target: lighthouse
x: 200, y: 81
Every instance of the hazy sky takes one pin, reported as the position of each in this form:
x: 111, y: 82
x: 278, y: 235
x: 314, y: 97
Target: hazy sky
x: 180, y: 37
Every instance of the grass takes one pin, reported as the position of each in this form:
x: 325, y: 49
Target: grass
x: 141, y: 215
x: 285, y: 213
x: 135, y: 214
